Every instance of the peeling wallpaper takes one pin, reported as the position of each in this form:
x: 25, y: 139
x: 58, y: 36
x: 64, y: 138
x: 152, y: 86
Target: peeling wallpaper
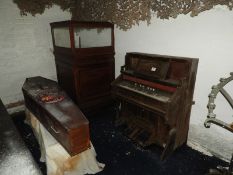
x: 123, y: 13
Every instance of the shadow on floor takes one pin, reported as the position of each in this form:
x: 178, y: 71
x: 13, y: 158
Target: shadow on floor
x: 122, y: 157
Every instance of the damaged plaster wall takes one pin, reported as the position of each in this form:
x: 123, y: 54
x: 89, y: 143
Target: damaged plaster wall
x: 25, y: 48
x: 207, y: 37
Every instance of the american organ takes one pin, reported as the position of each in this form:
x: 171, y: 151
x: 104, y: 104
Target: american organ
x: 155, y: 96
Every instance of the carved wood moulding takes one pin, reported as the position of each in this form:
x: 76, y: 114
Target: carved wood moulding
x: 123, y: 13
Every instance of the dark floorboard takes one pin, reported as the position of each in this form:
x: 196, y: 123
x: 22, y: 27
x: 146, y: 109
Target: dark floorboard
x: 122, y: 157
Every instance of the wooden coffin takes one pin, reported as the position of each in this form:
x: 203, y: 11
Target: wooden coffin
x: 58, y: 114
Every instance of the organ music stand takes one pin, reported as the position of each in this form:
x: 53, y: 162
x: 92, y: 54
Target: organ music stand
x: 211, y: 118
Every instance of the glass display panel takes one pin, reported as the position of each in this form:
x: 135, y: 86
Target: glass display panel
x: 62, y: 37
x: 92, y: 37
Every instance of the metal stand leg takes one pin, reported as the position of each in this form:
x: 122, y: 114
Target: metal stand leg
x: 223, y: 170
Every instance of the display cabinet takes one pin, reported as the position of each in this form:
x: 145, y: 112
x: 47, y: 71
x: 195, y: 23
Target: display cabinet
x: 84, y: 56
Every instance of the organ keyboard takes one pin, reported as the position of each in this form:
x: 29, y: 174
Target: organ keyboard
x: 155, y: 95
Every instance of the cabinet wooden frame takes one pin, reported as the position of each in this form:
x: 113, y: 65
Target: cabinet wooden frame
x: 74, y: 64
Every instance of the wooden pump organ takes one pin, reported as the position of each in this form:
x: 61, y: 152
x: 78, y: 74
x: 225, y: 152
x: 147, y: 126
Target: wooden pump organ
x: 155, y: 95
